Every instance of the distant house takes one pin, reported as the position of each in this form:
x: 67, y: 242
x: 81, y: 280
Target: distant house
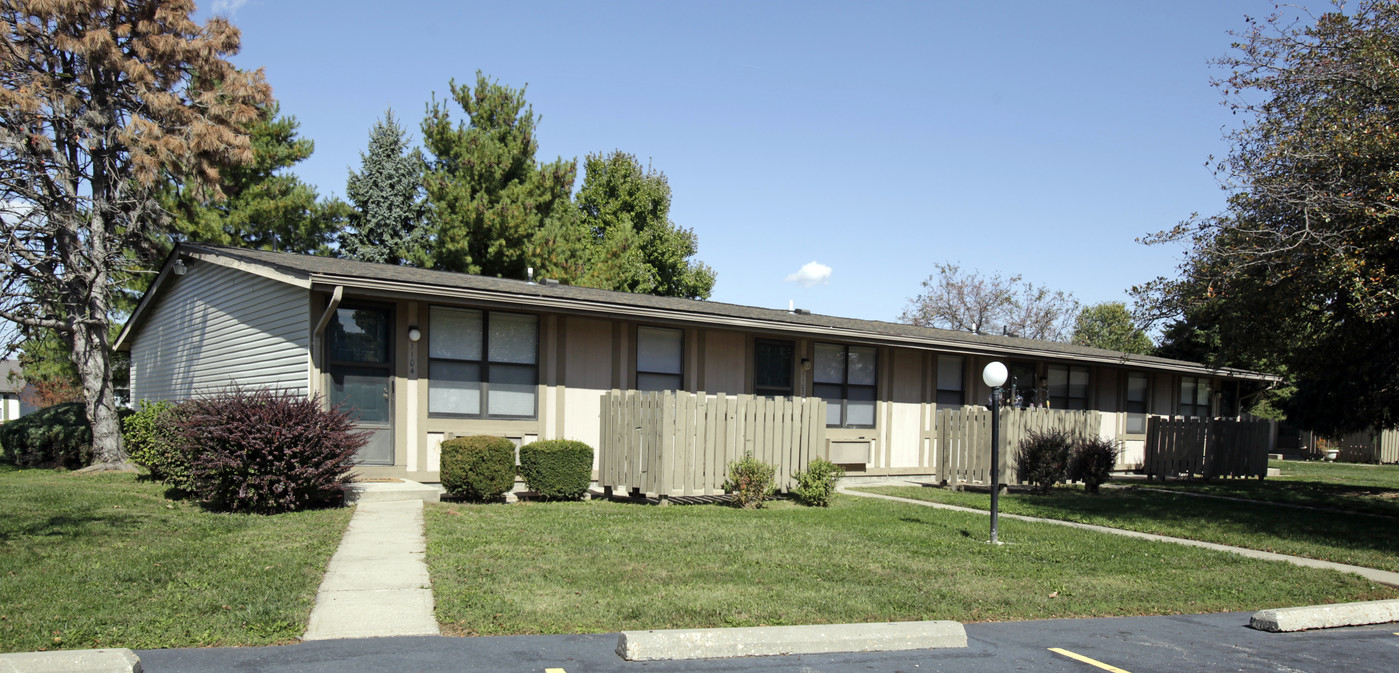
x: 10, y: 388
x: 420, y: 354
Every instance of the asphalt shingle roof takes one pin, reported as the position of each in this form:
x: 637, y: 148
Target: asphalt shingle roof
x: 327, y: 269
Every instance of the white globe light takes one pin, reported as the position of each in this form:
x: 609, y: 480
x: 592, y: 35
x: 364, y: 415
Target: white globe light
x: 994, y: 374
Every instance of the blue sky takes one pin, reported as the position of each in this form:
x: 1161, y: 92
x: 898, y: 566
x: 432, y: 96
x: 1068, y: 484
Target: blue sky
x: 873, y: 138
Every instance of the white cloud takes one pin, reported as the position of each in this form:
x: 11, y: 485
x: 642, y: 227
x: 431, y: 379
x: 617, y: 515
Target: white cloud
x: 812, y: 273
x: 227, y: 7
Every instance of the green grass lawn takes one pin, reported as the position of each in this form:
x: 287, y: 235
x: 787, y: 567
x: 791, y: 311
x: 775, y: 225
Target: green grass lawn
x: 1344, y: 538
x: 607, y: 566
x: 1359, y: 488
x: 92, y: 561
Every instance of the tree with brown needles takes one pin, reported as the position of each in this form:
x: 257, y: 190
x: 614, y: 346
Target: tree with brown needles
x: 101, y: 101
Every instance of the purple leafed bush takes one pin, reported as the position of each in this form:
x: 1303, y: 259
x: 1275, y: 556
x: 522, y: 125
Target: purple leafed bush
x: 267, y: 452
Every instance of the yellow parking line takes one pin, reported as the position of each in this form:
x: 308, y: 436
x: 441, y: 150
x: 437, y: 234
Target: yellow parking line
x: 554, y: 670
x: 1086, y: 660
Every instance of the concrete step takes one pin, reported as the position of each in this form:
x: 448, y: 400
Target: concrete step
x: 383, y: 491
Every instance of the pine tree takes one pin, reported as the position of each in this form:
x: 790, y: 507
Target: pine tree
x: 495, y: 211
x: 634, y: 246
x: 386, y: 224
x: 264, y: 205
x: 100, y: 101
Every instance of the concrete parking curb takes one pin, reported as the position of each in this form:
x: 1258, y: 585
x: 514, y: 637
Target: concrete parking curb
x: 773, y: 640
x: 72, y: 661
x: 1326, y: 616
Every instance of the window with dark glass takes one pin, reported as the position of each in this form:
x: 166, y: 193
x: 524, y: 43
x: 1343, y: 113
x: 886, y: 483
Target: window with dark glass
x: 1194, y: 396
x: 1020, y: 385
x: 1068, y: 387
x: 659, y: 358
x: 482, y: 364
x: 772, y: 368
x: 844, y: 376
x: 950, y: 381
x: 1136, y: 403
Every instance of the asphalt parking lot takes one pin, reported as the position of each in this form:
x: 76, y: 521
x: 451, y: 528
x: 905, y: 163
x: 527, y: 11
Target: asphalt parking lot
x: 1171, y: 644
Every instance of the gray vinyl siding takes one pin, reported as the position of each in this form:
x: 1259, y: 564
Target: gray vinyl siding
x: 215, y: 327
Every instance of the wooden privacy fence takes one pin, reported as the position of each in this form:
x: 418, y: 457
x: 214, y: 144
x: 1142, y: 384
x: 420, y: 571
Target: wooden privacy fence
x: 1369, y: 446
x: 1366, y: 446
x: 676, y: 443
x: 1215, y: 447
x: 964, y: 438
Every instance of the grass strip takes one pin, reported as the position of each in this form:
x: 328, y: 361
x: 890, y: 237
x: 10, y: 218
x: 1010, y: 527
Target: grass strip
x: 92, y: 561
x: 1329, y: 536
x: 543, y: 568
x: 1359, y: 488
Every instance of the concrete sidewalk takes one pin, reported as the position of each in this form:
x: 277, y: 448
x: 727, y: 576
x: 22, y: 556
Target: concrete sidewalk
x: 1381, y: 576
x: 377, y: 582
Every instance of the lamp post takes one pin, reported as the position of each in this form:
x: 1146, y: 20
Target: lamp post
x: 994, y: 376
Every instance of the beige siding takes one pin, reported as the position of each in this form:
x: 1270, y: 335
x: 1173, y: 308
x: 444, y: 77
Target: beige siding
x: 905, y: 418
x: 588, y: 371
x: 725, y: 362
x: 1133, y: 454
x: 1107, y: 384
x: 216, y: 327
x: 1163, y: 394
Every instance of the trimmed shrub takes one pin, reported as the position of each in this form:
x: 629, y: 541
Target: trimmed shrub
x: 1092, y: 461
x: 56, y: 436
x: 152, y: 437
x: 481, y: 467
x: 816, y: 486
x: 267, y: 452
x: 557, y: 469
x: 1044, y: 458
x: 750, y: 480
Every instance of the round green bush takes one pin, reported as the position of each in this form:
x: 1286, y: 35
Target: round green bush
x: 816, y: 486
x: 557, y: 469
x: 481, y: 467
x: 152, y: 437
x: 56, y: 436
x: 750, y: 481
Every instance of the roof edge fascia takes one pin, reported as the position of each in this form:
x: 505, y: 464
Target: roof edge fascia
x: 398, y: 288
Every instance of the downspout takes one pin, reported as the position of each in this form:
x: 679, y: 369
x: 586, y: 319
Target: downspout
x: 318, y: 337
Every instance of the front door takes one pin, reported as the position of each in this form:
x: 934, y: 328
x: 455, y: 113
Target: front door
x: 359, y: 362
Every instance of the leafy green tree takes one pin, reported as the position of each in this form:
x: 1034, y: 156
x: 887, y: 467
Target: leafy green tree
x: 1109, y: 325
x: 264, y: 205
x: 100, y: 101
x: 635, y: 247
x: 495, y: 211
x: 1302, y: 268
x: 386, y: 223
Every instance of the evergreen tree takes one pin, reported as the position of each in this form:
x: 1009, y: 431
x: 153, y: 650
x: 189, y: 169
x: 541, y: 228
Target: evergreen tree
x: 634, y: 246
x: 495, y: 211
x: 264, y: 206
x: 386, y: 223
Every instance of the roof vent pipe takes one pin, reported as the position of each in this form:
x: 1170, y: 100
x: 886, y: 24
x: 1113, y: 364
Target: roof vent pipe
x: 791, y: 305
x: 529, y: 275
